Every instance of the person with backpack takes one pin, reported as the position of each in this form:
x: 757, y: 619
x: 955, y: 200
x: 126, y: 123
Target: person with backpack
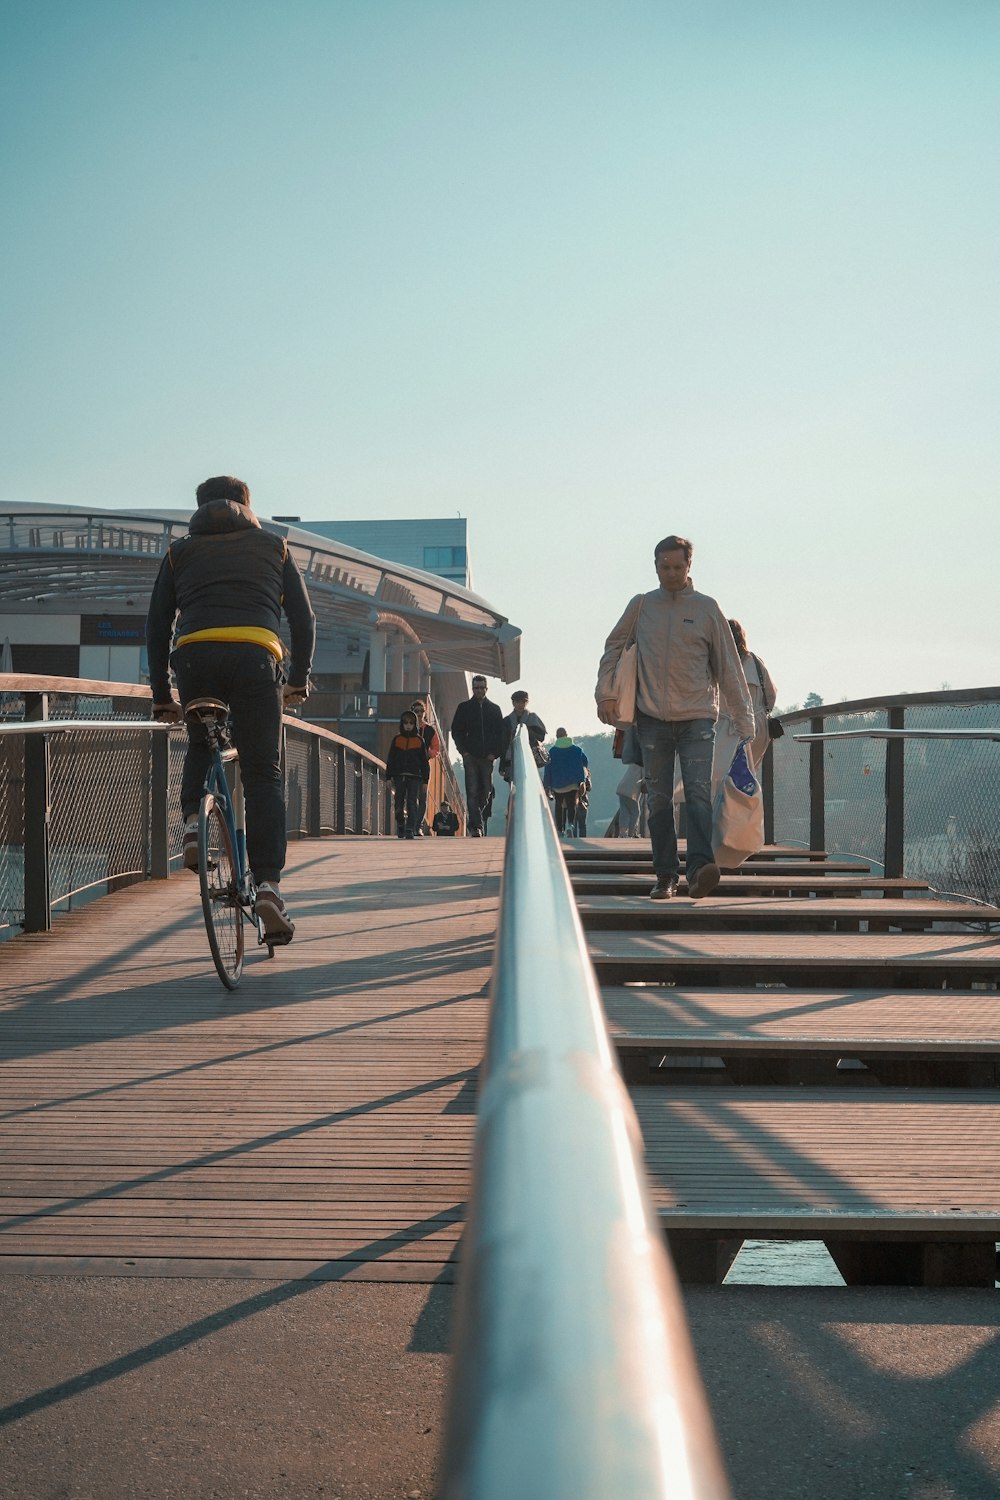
x: 564, y: 778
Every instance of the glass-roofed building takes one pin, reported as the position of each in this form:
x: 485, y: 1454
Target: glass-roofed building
x: 75, y: 585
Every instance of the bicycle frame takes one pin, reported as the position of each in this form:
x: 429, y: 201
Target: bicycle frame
x: 228, y: 891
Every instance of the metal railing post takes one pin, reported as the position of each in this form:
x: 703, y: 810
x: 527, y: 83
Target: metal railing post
x: 159, y: 816
x: 37, y: 888
x: 817, y: 791
x: 359, y: 797
x: 313, y: 814
x: 894, y: 820
x: 767, y: 792
x: 341, y: 789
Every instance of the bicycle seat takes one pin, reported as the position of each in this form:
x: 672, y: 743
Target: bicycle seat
x: 207, y: 710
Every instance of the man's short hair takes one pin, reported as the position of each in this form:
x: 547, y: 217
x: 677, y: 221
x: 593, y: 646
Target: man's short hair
x: 674, y: 544
x: 561, y: 734
x: 478, y: 678
x: 520, y: 697
x: 223, y: 487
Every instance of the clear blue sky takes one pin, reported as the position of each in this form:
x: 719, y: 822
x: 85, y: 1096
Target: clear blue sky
x: 586, y: 273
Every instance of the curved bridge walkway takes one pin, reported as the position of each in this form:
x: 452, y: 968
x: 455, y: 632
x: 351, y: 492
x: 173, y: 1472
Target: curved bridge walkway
x: 315, y: 1122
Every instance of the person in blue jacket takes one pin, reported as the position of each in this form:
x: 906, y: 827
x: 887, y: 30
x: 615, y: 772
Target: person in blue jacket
x: 563, y: 778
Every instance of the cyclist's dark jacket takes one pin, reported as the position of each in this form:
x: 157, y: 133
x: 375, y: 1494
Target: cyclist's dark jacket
x: 477, y: 728
x: 227, y: 574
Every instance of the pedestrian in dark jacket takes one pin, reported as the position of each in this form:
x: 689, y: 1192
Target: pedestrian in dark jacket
x: 445, y: 823
x: 220, y: 593
x: 432, y: 740
x: 477, y: 729
x: 408, y: 768
x: 534, y: 728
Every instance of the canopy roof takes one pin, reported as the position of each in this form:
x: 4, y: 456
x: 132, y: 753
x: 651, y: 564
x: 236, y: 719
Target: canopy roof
x: 102, y: 559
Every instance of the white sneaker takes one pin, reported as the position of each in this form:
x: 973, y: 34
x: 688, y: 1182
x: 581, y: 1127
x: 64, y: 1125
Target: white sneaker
x: 189, y: 845
x: 273, y: 915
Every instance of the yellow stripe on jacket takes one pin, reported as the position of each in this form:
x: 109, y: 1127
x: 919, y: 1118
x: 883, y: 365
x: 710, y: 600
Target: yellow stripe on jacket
x: 250, y: 635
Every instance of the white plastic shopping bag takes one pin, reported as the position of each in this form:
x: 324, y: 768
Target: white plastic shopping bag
x: 737, y: 815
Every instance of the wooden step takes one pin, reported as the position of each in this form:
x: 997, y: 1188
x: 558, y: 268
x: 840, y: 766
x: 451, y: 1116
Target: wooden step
x: 750, y: 914
x: 859, y: 960
x: 582, y: 851
x: 903, y: 1186
x: 770, y: 868
x: 942, y: 1038
x: 740, y: 884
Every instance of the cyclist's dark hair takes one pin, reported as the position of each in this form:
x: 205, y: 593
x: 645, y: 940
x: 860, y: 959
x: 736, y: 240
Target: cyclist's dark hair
x: 223, y: 487
x: 674, y: 544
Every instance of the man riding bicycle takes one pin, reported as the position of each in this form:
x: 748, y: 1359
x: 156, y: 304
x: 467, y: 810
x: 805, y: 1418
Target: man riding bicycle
x: 226, y: 584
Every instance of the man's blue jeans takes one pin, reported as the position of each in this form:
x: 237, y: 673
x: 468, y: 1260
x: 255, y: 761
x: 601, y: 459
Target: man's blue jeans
x: 693, y: 740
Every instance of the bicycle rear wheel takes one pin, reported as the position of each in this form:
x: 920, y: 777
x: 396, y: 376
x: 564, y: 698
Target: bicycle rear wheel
x: 220, y: 900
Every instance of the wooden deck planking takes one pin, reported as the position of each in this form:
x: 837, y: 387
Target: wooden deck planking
x: 638, y: 885
x: 925, y: 1020
x: 768, y: 868
x: 808, y: 1162
x: 844, y: 912
x: 318, y: 1121
x: 923, y: 958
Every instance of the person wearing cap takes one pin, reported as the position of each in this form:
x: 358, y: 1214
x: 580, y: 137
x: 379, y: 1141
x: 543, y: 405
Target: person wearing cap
x: 477, y: 729
x: 219, y: 594
x: 445, y: 823
x: 534, y: 728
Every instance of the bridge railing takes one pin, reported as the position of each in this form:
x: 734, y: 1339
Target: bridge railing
x: 573, y: 1373
x: 910, y: 784
x: 89, y: 793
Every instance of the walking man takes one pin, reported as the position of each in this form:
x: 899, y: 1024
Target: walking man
x: 477, y: 729
x: 534, y: 728
x: 685, y: 652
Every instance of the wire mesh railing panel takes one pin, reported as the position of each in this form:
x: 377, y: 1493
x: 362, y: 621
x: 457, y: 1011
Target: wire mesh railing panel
x: 951, y: 837
x: 296, y: 783
x: 328, y: 778
x: 854, y: 788
x: 96, y: 706
x: 176, y: 750
x: 99, y: 825
x: 791, y: 791
x: 352, y: 775
x: 11, y: 830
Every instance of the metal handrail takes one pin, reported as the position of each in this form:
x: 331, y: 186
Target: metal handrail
x: 902, y: 734
x: 573, y: 1373
x: 65, y: 726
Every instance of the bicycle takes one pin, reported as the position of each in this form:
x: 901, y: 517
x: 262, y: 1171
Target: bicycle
x: 228, y: 891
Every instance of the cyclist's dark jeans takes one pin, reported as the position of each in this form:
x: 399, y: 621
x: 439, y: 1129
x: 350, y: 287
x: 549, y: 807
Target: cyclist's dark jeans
x: 245, y: 677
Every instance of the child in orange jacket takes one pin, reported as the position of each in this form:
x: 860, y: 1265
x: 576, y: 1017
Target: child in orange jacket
x: 409, y: 769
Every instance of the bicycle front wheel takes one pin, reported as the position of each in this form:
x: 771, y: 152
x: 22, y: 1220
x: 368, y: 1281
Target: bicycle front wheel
x: 220, y: 892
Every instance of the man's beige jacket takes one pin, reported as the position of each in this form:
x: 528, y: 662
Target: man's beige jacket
x: 686, y: 652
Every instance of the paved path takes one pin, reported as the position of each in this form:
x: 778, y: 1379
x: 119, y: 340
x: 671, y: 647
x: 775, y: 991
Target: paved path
x: 317, y: 1121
